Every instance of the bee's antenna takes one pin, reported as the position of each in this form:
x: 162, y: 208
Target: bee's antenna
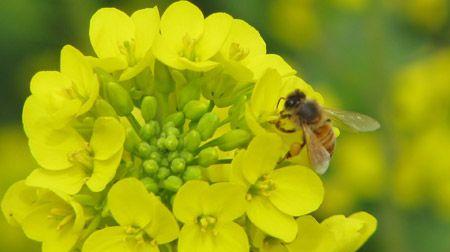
x: 278, y: 103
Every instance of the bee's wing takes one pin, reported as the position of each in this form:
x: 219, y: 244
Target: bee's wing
x: 318, y: 154
x: 353, y: 120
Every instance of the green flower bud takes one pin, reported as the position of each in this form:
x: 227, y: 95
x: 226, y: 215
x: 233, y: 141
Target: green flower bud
x: 150, y: 166
x: 172, y: 131
x: 208, y: 156
x: 192, y: 140
x: 171, y: 143
x: 172, y: 155
x: 145, y: 149
x: 208, y: 125
x: 163, y: 173
x: 233, y: 139
x: 155, y: 156
x: 150, y: 184
x: 148, y: 108
x: 136, y: 94
x: 164, y: 162
x: 177, y: 118
x: 192, y: 173
x: 237, y: 114
x: 177, y: 165
x: 164, y: 82
x: 187, y: 156
x: 119, y: 98
x: 103, y: 108
x: 161, y: 143
x: 132, y: 140
x: 172, y: 183
x: 150, y: 130
x: 195, y: 109
x: 188, y: 93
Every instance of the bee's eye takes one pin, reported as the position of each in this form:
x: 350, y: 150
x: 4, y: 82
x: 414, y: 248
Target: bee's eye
x: 290, y: 103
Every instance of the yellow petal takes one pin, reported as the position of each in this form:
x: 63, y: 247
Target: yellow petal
x: 163, y: 227
x: 312, y: 237
x: 53, y: 149
x: 146, y: 22
x: 266, y: 94
x: 201, y: 66
x: 130, y: 203
x: 259, y: 64
x: 261, y: 156
x: 68, y: 181
x: 193, y: 239
x: 104, y: 171
x: 77, y: 68
x: 186, y: 207
x: 109, y: 30
x: 246, y: 37
x: 225, y: 200
x: 102, y: 143
x: 298, y: 190
x: 18, y: 202
x: 217, y: 27
x: 181, y: 19
x: 47, y: 83
x: 231, y: 237
x: 266, y: 217
x: 111, y: 239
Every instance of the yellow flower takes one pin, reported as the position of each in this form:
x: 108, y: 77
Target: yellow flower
x: 122, y: 42
x: 208, y: 213
x: 144, y: 221
x: 55, y: 219
x: 275, y: 194
x: 58, y: 97
x: 243, y: 55
x: 262, y: 107
x: 335, y: 234
x: 69, y: 162
x: 188, y: 40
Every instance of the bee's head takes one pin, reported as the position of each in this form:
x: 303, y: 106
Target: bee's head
x: 294, y: 99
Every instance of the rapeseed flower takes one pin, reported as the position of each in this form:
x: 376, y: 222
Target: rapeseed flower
x: 170, y: 121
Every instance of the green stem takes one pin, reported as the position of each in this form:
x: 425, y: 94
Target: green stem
x: 224, y: 161
x: 134, y: 123
x: 211, y: 105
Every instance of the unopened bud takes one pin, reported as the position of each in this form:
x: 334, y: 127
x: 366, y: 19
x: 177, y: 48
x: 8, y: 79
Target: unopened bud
x: 233, y: 139
x: 148, y: 108
x: 119, y: 98
x: 163, y: 172
x: 177, y: 118
x: 192, y: 173
x: 103, y: 108
x: 145, y: 149
x: 149, y: 130
x: 195, y: 109
x: 150, y: 166
x: 150, y: 184
x: 187, y: 156
x: 171, y: 143
x: 164, y: 81
x: 208, y: 125
x: 172, y: 183
x: 208, y: 156
x: 132, y: 140
x: 192, y: 140
x: 188, y: 93
x: 177, y: 165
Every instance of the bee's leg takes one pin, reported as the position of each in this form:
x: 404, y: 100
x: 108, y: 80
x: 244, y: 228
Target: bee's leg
x: 296, y: 148
x: 278, y: 124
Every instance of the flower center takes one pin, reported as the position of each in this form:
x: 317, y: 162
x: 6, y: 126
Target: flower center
x: 63, y: 215
x: 188, y: 48
x: 263, y: 186
x: 237, y: 52
x: 127, y: 49
x: 206, y: 222
x: 83, y: 157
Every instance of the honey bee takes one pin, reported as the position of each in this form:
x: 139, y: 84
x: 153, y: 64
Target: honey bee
x: 316, y: 123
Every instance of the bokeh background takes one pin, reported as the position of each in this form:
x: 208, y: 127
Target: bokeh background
x: 386, y: 58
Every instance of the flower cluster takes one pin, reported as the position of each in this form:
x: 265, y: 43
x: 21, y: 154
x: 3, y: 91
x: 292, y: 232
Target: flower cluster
x: 163, y: 141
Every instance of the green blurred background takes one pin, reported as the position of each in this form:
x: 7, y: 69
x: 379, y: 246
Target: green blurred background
x: 386, y: 58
